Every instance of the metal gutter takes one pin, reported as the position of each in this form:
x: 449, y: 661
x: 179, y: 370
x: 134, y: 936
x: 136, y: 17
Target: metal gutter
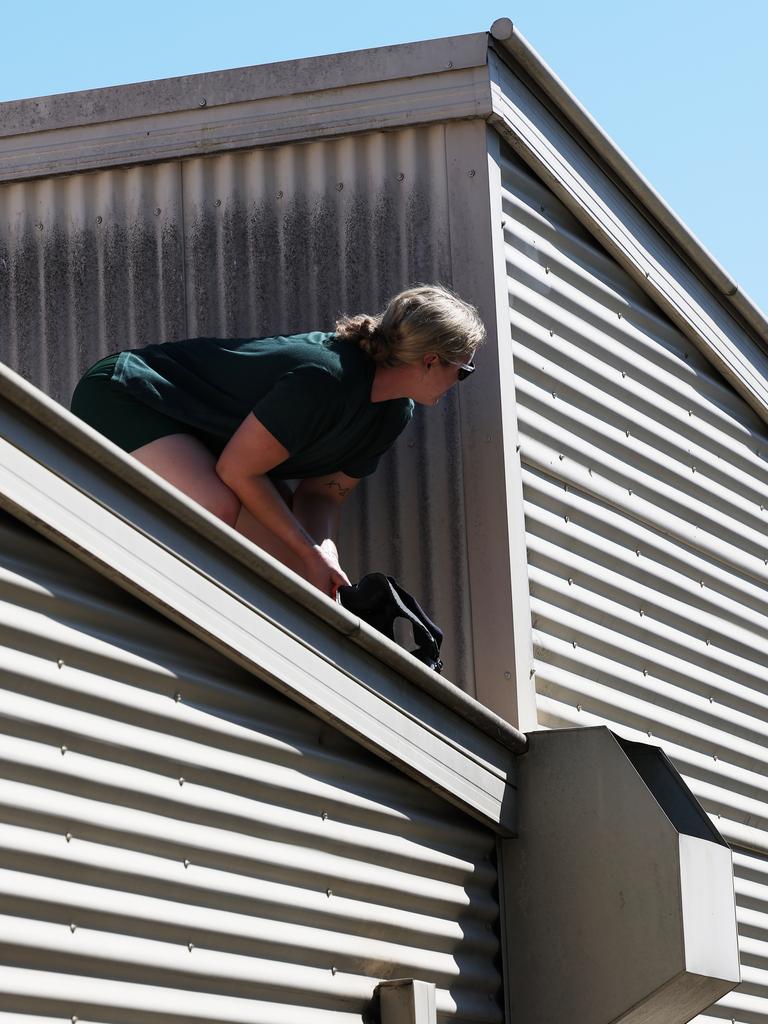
x: 512, y: 42
x: 129, y: 475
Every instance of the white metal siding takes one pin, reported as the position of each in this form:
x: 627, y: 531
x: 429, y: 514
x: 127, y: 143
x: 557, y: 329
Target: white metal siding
x: 246, y: 244
x: 179, y: 842
x: 646, y: 500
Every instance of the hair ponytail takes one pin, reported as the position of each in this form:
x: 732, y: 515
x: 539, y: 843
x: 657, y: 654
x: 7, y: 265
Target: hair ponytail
x: 428, y: 318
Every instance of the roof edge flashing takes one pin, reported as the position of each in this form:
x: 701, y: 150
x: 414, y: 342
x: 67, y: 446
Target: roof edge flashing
x: 511, y: 41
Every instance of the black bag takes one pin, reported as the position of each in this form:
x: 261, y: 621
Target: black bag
x: 380, y: 600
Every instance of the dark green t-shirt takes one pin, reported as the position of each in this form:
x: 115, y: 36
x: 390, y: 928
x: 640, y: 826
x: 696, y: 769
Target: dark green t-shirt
x: 311, y: 391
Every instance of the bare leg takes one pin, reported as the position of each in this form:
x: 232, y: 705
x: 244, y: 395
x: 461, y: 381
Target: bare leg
x: 186, y: 463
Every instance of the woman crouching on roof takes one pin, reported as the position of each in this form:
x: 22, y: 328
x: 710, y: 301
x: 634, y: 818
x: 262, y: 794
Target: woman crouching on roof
x: 228, y: 422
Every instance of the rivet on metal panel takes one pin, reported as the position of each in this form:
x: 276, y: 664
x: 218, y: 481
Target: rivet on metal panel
x: 329, y: 893
x: 203, y: 103
x: 642, y: 612
x: 517, y: 447
x: 566, y: 519
x: 693, y: 469
x: 60, y: 663
x: 629, y: 490
x: 714, y: 757
x: 619, y: 316
x: 711, y: 700
x: 158, y: 211
x: 324, y: 815
x: 531, y: 673
x: 177, y: 696
x: 471, y: 173
x: 701, y: 583
x: 551, y: 334
x: 570, y: 581
x: 73, y: 928
x: 647, y: 273
x: 554, y: 394
x: 190, y: 946
x: 645, y: 671
x: 623, y: 373
x: 187, y: 862
x: 707, y: 641
x: 574, y: 644
x: 217, y: 203
x: 637, y: 552
x: 627, y: 432
x: 68, y: 836
x: 578, y: 707
x: 401, y: 176
x: 63, y: 749
x: 561, y: 456
x: 340, y: 186
x: 649, y: 734
x: 334, y: 970
x: 546, y: 270
x: 280, y: 194
x: 507, y: 675
x: 99, y: 219
x: 181, y: 780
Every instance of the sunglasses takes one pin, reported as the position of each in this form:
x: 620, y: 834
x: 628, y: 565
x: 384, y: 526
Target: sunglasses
x: 465, y: 369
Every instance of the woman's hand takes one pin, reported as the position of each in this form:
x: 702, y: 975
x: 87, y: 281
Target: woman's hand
x: 323, y: 571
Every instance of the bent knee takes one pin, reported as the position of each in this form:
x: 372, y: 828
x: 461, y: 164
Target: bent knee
x: 224, y: 504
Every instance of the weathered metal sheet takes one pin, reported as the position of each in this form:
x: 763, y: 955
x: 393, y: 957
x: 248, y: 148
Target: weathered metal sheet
x: 645, y: 481
x: 246, y: 244
x: 222, y: 856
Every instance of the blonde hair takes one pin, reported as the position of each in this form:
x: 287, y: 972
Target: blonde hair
x: 427, y: 318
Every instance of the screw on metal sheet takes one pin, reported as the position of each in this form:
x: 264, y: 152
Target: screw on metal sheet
x: 340, y: 186
x: 99, y: 219
x: 280, y: 194
x: 637, y: 552
x: 177, y: 696
x: 693, y: 469
x: 554, y: 394
x: 629, y: 490
x: 623, y: 373
x: 578, y: 707
x: 711, y: 700
x: 158, y: 211
x: 561, y: 456
x: 642, y: 612
x: 401, y: 176
x: 68, y: 836
x: 714, y: 757
x: 701, y: 583
x: 517, y: 447
x: 187, y: 862
x: 627, y: 433
x: 531, y: 673
x: 449, y: 64
x: 649, y: 734
x: 181, y: 780
x: 471, y: 173
x: 546, y: 270
x: 190, y: 946
x: 64, y: 749
x: 73, y: 928
x: 217, y: 203
x: 203, y: 103
x: 324, y: 815
x: 507, y: 675
x: 329, y: 893
x: 60, y: 663
x: 707, y: 641
x: 74, y: 1019
x: 551, y: 334
x: 334, y: 970
x: 566, y: 518
x: 570, y: 581
x: 647, y: 273
x: 645, y: 671
x: 619, y: 316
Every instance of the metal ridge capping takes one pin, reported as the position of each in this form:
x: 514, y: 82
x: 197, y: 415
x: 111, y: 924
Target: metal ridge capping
x: 24, y: 396
x: 503, y: 32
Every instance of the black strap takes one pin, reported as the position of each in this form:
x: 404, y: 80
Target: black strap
x: 380, y: 601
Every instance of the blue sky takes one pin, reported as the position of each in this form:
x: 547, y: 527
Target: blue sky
x: 681, y: 86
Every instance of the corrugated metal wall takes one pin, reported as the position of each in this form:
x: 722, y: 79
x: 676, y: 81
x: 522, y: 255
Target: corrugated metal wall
x: 646, y: 500
x: 247, y: 244
x: 178, y: 842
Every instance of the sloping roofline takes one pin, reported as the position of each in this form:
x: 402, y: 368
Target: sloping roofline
x: 391, y: 87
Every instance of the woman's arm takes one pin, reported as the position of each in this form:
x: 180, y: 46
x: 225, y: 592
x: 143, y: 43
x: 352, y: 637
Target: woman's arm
x: 243, y: 464
x: 317, y: 505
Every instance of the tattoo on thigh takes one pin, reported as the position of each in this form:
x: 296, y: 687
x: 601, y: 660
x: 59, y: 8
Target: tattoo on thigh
x: 343, y: 491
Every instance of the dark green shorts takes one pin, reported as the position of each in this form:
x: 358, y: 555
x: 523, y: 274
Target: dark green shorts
x: 127, y: 422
